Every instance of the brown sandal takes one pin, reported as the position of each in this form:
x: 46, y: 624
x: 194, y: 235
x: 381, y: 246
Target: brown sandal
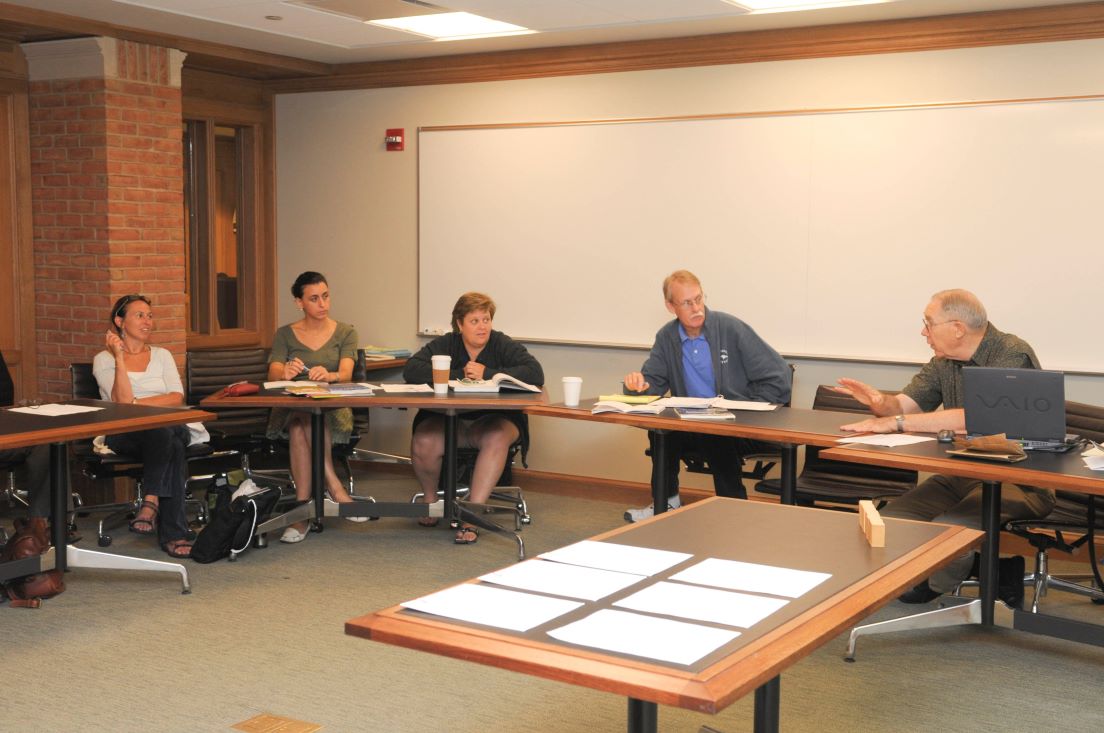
x: 145, y: 525
x: 180, y: 549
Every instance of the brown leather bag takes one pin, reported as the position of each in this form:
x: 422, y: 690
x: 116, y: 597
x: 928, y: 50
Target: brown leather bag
x: 30, y: 540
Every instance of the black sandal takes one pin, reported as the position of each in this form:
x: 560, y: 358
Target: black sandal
x: 150, y: 522
x: 462, y: 535
x: 179, y: 549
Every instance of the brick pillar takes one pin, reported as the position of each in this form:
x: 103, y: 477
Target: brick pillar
x: 107, y: 195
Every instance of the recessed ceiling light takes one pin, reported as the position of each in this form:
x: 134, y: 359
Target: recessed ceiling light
x: 452, y: 26
x: 782, y: 6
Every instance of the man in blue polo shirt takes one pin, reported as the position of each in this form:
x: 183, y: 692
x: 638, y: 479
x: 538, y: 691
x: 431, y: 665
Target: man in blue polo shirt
x: 704, y: 353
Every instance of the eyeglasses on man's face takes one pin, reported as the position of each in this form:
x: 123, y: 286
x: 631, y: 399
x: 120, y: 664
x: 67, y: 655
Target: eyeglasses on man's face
x: 691, y: 302
x: 928, y: 325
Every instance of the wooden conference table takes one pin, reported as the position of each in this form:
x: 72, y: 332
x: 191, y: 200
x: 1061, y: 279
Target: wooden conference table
x: 862, y: 579
x: 451, y: 406
x: 787, y: 426
x: 1062, y: 471
x: 22, y: 429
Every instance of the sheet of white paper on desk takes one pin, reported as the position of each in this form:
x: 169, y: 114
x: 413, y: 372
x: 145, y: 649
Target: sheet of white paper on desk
x: 677, y: 642
x: 746, y: 405
x: 888, y: 440
x: 405, y: 388
x: 619, y: 558
x: 561, y: 579
x: 1095, y: 463
x: 751, y: 577
x: 285, y: 383
x: 497, y: 607
x: 55, y: 410
x: 703, y: 604
x: 1096, y: 450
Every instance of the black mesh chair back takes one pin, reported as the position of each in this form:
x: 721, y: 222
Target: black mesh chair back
x: 838, y: 482
x: 206, y: 372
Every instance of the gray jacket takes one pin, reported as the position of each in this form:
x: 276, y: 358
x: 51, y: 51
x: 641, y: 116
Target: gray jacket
x: 745, y: 367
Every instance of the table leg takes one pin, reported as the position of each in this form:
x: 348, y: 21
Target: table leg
x: 318, y: 463
x: 766, y: 705
x: 789, y: 473
x: 59, y: 471
x: 452, y: 421
x: 990, y: 548
x: 643, y: 716
x: 659, y: 459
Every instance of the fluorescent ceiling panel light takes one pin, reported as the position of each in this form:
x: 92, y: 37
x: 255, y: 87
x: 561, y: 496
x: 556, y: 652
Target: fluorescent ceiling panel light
x: 782, y: 6
x: 452, y: 26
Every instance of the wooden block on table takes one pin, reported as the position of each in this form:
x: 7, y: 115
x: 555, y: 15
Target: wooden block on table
x: 871, y: 523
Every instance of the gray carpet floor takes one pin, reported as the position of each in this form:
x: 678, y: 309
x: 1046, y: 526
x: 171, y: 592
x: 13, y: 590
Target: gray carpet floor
x: 125, y: 651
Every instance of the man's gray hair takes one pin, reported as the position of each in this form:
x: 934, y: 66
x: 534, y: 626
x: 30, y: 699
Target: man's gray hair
x: 962, y: 305
x: 679, y: 276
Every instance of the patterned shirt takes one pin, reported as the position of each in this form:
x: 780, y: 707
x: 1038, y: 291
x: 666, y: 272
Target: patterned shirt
x: 940, y: 380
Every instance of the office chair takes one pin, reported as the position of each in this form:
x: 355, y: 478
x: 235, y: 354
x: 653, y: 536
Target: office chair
x: 505, y: 497
x: 97, y: 466
x: 762, y: 455
x: 837, y: 482
x: 1073, y: 514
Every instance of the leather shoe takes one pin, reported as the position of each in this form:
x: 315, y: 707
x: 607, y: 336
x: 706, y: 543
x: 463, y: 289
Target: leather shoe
x: 920, y: 593
x: 1010, y: 581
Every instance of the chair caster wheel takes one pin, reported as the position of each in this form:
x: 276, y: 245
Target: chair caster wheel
x: 260, y: 541
x: 1098, y: 601
x: 316, y: 527
x: 104, y: 540
x: 849, y: 660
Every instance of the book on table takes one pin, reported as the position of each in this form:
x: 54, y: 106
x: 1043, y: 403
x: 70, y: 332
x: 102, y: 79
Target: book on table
x: 502, y: 380
x: 652, y: 408
x: 704, y: 413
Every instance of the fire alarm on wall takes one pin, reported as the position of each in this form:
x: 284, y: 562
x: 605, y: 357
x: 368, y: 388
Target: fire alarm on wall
x: 394, y: 139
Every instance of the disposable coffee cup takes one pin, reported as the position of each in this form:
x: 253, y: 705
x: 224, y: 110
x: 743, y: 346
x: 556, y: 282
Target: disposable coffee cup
x: 572, y: 387
x: 441, y: 365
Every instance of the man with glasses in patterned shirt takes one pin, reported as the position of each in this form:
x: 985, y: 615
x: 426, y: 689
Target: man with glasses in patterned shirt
x: 706, y: 353
x: 959, y: 333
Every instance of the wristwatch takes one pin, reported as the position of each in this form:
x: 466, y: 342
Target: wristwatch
x: 900, y: 423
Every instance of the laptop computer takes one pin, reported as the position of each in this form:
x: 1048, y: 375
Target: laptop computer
x: 1027, y: 405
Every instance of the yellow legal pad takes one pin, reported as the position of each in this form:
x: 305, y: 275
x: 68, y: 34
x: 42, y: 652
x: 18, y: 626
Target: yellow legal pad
x: 629, y: 399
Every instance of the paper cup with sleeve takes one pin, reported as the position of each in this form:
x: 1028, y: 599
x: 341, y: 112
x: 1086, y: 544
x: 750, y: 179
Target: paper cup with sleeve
x: 441, y: 365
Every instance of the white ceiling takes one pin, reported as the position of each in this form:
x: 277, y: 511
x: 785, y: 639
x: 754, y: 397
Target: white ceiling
x: 308, y: 33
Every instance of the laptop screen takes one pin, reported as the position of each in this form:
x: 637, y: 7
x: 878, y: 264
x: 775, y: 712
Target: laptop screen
x: 1024, y: 404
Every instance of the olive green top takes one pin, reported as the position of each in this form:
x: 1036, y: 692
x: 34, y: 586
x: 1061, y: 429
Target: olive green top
x: 940, y: 381
x: 342, y: 345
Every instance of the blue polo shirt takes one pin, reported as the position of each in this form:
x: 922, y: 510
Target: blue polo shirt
x: 697, y: 366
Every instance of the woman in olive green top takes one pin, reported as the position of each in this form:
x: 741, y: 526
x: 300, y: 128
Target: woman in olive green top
x: 319, y: 349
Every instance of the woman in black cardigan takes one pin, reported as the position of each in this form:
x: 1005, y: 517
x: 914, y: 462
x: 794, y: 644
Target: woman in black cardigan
x: 478, y: 352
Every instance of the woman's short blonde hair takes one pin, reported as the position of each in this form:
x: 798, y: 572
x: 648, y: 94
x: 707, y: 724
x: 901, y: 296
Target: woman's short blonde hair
x: 469, y: 302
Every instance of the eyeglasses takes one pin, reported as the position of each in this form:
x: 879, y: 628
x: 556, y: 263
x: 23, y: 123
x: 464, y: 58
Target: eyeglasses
x: 928, y: 325
x: 692, y: 303
x: 120, y: 312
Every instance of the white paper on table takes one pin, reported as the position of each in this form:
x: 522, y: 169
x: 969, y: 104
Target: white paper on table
x: 751, y: 577
x: 285, y: 383
x: 619, y: 558
x: 703, y: 604
x: 55, y: 410
x: 684, y: 401
x: 405, y: 388
x: 1096, y: 463
x: 887, y: 439
x: 573, y: 581
x: 746, y: 405
x: 1094, y: 451
x: 482, y: 604
x: 644, y: 636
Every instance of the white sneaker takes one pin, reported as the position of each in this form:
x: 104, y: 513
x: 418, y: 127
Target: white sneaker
x: 293, y: 535
x: 647, y: 512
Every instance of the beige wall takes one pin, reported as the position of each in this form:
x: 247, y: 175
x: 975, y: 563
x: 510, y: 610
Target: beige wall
x: 349, y: 209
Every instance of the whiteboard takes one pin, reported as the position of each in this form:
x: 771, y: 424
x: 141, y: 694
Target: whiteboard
x: 826, y: 232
